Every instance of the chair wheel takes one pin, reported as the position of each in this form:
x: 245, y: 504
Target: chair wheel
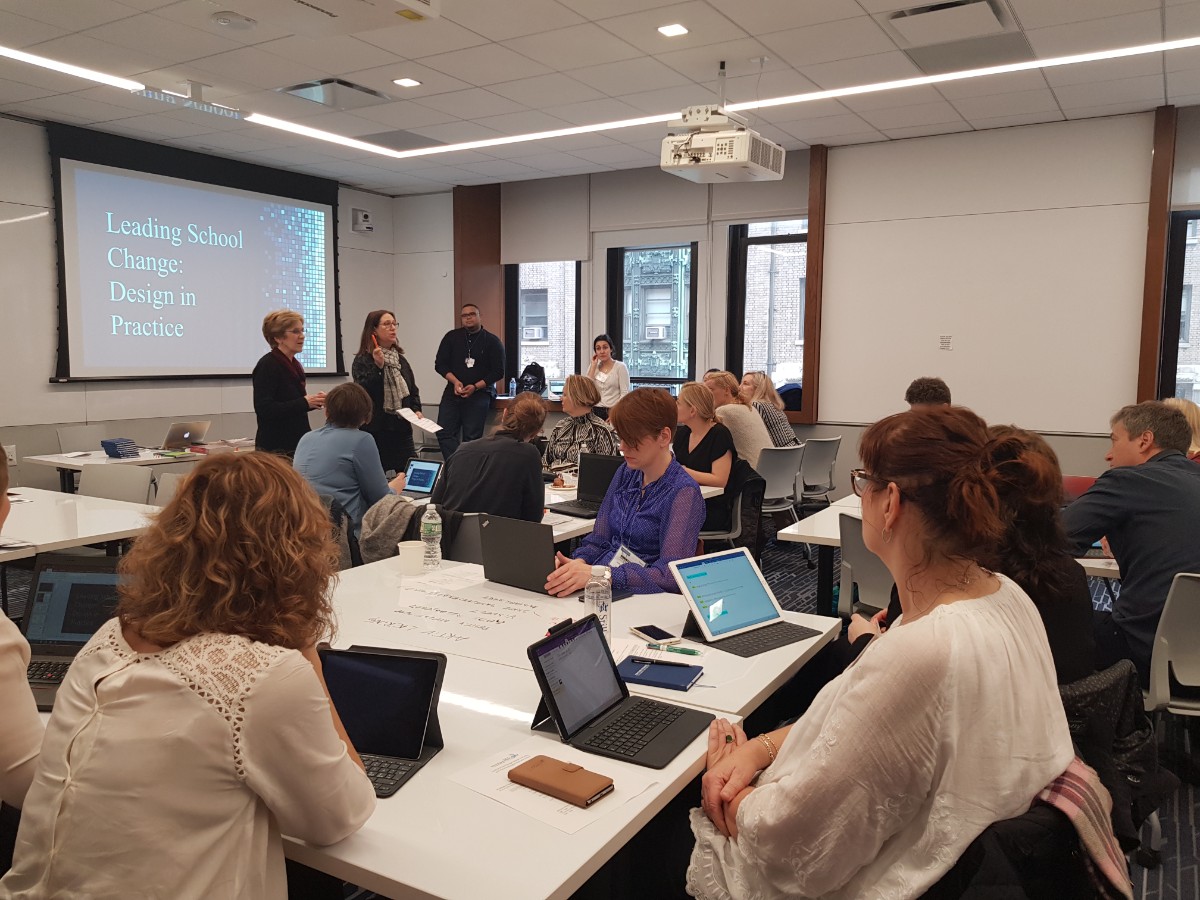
x: 1147, y: 858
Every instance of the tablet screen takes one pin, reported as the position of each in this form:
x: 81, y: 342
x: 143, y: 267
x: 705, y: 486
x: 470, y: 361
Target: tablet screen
x: 726, y: 591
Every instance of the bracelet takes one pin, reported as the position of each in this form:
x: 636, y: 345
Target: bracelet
x: 770, y: 747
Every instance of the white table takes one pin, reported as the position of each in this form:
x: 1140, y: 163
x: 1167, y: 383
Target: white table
x: 70, y: 463
x: 52, y: 520
x: 567, y: 527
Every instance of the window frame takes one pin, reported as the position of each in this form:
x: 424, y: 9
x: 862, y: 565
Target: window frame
x: 513, y: 321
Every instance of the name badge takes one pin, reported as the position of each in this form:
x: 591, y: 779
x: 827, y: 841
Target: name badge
x: 470, y: 362
x: 623, y: 556
x: 601, y: 376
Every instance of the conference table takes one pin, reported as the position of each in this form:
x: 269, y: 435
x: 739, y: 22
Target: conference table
x: 443, y: 835
x: 568, y: 527
x: 68, y: 464
x: 42, y: 521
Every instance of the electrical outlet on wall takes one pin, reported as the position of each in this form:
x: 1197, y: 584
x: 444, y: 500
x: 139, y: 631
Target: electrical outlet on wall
x: 11, y: 451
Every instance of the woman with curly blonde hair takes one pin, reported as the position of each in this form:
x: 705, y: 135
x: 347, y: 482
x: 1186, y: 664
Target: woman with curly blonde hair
x: 195, y: 726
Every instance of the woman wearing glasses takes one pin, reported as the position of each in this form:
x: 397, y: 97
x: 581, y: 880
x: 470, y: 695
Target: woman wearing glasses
x: 880, y: 786
x: 381, y: 367
x: 281, y: 400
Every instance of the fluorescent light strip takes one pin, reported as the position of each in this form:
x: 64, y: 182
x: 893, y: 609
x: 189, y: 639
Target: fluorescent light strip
x: 68, y: 69
x: 318, y: 134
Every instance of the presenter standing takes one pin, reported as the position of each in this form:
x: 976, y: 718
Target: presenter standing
x: 611, y: 375
x: 472, y: 361
x: 280, y: 399
x: 380, y: 367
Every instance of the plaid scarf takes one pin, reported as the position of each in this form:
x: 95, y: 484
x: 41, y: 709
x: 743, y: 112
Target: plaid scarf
x: 395, y: 388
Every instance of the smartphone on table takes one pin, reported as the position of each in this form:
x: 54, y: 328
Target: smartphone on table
x: 654, y: 634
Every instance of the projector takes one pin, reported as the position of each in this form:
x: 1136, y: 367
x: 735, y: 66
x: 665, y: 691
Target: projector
x: 718, y: 147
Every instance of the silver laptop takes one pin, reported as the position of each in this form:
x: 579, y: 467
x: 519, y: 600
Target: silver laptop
x: 182, y: 435
x: 71, y: 597
x: 420, y: 478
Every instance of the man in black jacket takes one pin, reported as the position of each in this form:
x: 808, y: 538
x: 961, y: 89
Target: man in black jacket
x: 472, y: 361
x: 1148, y: 506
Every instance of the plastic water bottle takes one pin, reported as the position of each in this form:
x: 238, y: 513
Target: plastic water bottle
x: 512, y: 387
x: 431, y: 534
x: 597, y: 598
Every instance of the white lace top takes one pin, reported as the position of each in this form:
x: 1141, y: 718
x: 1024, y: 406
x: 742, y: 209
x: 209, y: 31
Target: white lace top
x: 172, y: 774
x: 943, y: 726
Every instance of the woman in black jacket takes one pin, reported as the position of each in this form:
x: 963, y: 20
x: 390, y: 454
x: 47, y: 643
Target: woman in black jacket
x: 281, y: 402
x: 380, y: 367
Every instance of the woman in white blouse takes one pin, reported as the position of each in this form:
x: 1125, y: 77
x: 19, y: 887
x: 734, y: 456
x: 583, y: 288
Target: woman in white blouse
x: 611, y: 375
x: 195, y: 726
x: 947, y: 723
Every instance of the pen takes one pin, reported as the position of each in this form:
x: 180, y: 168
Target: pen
x: 659, y: 662
x: 670, y: 649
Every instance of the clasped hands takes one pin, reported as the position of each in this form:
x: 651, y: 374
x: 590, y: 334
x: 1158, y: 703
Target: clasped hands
x: 316, y: 401
x: 733, y: 764
x: 464, y: 390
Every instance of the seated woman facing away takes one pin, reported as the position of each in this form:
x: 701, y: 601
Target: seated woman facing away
x: 735, y: 413
x: 757, y: 388
x: 652, y: 512
x: 341, y: 461
x: 582, y: 431
x: 948, y: 723
x: 1192, y: 413
x: 704, y: 447
x: 195, y: 727
x: 501, y: 474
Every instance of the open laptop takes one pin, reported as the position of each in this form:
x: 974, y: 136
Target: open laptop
x: 70, y: 598
x: 732, y: 606
x: 519, y: 553
x: 387, y: 700
x: 596, y: 471
x: 590, y: 705
x: 420, y: 478
x: 182, y: 435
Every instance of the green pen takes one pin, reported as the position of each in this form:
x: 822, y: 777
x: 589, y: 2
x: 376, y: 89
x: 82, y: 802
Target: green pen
x: 670, y: 649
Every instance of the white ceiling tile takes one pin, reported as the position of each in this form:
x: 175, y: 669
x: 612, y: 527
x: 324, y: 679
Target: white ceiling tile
x: 812, y: 130
x: 413, y: 39
x: 175, y: 78
x: 456, y: 133
x: 705, y: 26
x: 20, y: 32
x: 226, y: 142
x: 1096, y: 34
x: 487, y: 64
x: 71, y: 14
x: 878, y: 6
x: 905, y: 116
x: 17, y: 92
x: 927, y: 130
x: 889, y: 99
x: 594, y: 111
x: 741, y: 57
x: 405, y: 115
x: 1008, y: 83
x: 198, y: 14
x: 996, y: 105
x: 1023, y: 119
x: 471, y: 104
x: 523, y: 122
x: 1177, y: 60
x: 1182, y: 21
x: 448, y: 174
x: 1148, y: 89
x: 82, y: 50
x: 252, y: 66
x: 1105, y: 70
x: 629, y: 77
x: 1108, y: 109
x: 578, y: 142
x: 158, y: 126
x: 615, y: 156
x: 552, y: 162
x: 503, y: 169
x: 871, y: 69
x: 296, y: 156
x: 600, y: 9
x: 546, y: 90
x: 669, y: 99
x: 209, y: 122
x: 807, y: 47
x: 43, y: 79
x: 798, y: 112
x: 1040, y: 13
x: 1183, y: 83
x: 79, y: 108
x: 766, y: 16
x: 174, y: 42
x: 335, y: 54
x: 381, y: 79
x: 748, y: 88
x: 512, y: 18
x: 343, y: 123
x: 855, y: 137
x: 136, y: 105
x: 574, y: 47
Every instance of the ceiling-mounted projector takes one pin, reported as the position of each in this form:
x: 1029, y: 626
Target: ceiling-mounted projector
x: 711, y: 146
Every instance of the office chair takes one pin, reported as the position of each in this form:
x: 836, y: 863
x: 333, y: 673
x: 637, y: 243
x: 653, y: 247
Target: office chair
x: 116, y: 482
x: 862, y: 567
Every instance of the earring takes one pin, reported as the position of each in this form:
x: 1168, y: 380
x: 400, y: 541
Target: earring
x: 887, y: 535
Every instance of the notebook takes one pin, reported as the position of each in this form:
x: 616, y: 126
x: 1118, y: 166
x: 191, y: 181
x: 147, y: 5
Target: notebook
x: 182, y: 435
x: 420, y: 478
x: 596, y: 471
x: 590, y: 707
x: 387, y: 700
x: 71, y: 597
x: 731, y: 605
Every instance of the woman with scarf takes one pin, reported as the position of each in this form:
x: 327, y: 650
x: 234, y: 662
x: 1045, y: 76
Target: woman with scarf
x: 281, y: 401
x: 381, y: 368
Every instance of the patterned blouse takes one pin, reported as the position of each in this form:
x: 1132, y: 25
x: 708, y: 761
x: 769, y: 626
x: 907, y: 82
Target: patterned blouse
x: 573, y: 432
x: 780, y: 429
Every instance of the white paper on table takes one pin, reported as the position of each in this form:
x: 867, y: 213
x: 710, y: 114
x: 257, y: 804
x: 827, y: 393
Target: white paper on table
x: 447, y: 579
x: 551, y: 518
x: 421, y: 422
x: 10, y: 543
x: 623, y: 647
x: 490, y: 778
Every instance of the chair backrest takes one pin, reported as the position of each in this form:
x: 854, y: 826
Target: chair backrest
x: 72, y: 438
x: 167, y: 486
x: 819, y: 456
x: 1074, y: 486
x: 779, y: 466
x: 862, y: 566
x: 467, y: 546
x: 116, y: 482
x: 1176, y: 653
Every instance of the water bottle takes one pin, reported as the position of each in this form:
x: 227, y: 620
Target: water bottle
x: 431, y: 534
x: 512, y: 387
x: 597, y: 598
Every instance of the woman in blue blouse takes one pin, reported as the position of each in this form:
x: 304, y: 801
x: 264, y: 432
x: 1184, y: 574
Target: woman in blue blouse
x: 652, y: 512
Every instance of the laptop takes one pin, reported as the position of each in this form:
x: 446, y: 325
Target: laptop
x: 731, y: 605
x: 420, y: 478
x: 591, y: 708
x: 596, y: 472
x: 182, y: 435
x: 520, y: 554
x: 70, y: 598
x: 387, y: 700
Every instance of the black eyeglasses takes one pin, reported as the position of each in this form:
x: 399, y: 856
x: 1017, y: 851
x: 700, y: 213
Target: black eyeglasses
x: 861, y: 479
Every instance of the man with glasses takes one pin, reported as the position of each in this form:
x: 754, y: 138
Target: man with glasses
x: 472, y: 361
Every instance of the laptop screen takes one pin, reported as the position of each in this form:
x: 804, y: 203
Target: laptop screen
x: 579, y: 671
x: 726, y: 589
x: 68, y: 604
x: 421, y: 475
x: 383, y: 699
x: 596, y: 472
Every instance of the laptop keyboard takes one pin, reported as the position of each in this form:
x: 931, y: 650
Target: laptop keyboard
x: 760, y: 640
x: 629, y: 732
x: 48, y: 672
x: 583, y: 508
x: 387, y: 773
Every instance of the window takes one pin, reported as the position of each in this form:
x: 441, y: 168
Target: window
x: 1179, y: 368
x: 768, y: 264
x: 1185, y: 317
x: 542, y: 303
x: 652, y: 312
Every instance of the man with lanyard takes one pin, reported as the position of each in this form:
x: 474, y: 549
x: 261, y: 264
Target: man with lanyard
x: 472, y: 361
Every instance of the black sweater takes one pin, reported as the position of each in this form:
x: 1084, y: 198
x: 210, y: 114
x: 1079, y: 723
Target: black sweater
x: 497, y: 475
x: 280, y: 405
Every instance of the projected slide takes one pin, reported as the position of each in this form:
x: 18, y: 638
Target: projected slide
x: 170, y: 277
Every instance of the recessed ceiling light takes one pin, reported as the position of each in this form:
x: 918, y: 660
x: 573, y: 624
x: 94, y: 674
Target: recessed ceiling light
x: 675, y: 30
x: 407, y: 82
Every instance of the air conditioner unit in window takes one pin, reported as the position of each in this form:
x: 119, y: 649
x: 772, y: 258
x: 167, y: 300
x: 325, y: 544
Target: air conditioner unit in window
x: 656, y: 332
x: 534, y: 333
